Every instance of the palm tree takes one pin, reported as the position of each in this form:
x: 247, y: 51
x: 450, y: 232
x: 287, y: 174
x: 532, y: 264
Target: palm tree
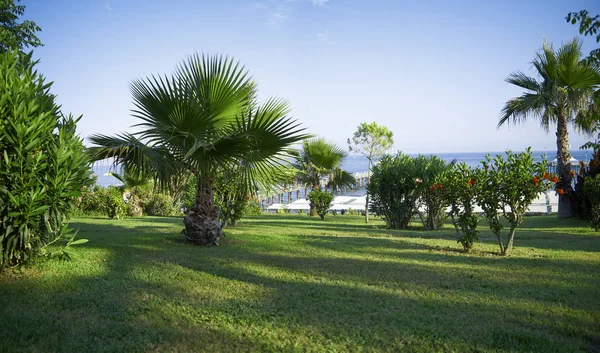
x: 340, y: 178
x: 317, y: 160
x: 202, y: 120
x: 566, y: 86
x: 132, y: 182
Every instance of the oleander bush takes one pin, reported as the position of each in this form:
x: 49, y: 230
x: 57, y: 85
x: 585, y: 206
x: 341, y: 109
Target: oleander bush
x: 321, y: 200
x: 43, y: 165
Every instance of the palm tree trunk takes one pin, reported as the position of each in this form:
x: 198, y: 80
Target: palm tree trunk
x: 367, y: 193
x: 563, y: 162
x: 202, y: 224
x: 313, y: 207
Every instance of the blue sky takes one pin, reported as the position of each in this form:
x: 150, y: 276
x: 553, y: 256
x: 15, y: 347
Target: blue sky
x: 431, y: 71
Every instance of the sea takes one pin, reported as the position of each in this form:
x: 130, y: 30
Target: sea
x: 359, y: 163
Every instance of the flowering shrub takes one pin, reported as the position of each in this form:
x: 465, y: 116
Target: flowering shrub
x: 431, y: 191
x: 459, y: 189
x: 509, y: 186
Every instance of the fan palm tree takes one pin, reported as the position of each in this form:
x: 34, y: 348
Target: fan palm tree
x: 132, y: 182
x: 202, y: 120
x: 317, y: 160
x: 566, y: 87
x: 339, y: 178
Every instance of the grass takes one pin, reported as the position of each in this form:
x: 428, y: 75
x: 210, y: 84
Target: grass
x: 291, y: 283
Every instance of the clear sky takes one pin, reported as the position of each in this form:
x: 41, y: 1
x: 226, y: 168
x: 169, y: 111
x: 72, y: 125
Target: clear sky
x: 431, y: 71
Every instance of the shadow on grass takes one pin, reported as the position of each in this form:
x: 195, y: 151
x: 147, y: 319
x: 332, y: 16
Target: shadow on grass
x: 427, y: 301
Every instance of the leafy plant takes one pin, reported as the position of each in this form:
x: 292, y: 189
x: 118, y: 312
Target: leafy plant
x: 159, y: 204
x: 43, y: 164
x: 15, y: 35
x: 321, y: 200
x: 592, y: 195
x: 459, y: 187
x: 395, y: 188
x: 116, y: 208
x: 509, y: 186
x: 431, y: 199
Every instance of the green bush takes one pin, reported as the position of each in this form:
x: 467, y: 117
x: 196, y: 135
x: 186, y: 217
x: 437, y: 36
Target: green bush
x: 92, y: 201
x: 591, y: 192
x: 160, y: 205
x: 43, y: 165
x: 430, y: 170
x: 459, y: 187
x: 253, y: 207
x: 322, y: 201
x: 394, y: 188
x: 115, y: 205
x: 509, y: 185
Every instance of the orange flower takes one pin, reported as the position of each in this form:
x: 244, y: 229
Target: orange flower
x: 439, y: 186
x: 555, y: 179
x: 472, y: 182
x: 536, y: 180
x: 560, y: 191
x: 432, y: 187
x: 572, y: 172
x: 547, y: 176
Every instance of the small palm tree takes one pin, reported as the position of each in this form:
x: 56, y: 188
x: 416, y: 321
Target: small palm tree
x: 566, y: 88
x: 340, y: 178
x: 132, y: 182
x: 315, y: 161
x: 204, y: 120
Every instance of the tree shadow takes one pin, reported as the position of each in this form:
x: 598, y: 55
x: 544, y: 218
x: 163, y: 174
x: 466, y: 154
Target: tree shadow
x: 428, y: 301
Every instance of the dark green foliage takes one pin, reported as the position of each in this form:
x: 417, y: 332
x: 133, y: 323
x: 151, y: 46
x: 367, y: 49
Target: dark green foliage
x: 116, y: 208
x: 509, y: 184
x: 160, y: 205
x: 15, y: 35
x: 459, y: 188
x: 321, y: 200
x: 92, y: 201
x: 592, y: 196
x: 432, y: 200
x: 589, y: 26
x: 394, y: 189
x: 43, y: 163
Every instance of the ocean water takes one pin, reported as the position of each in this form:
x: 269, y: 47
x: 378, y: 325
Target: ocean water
x: 359, y: 163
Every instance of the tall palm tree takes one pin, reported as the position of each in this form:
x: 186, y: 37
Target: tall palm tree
x: 566, y: 86
x: 317, y: 160
x: 202, y: 120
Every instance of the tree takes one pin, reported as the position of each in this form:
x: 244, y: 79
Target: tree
x: 339, y: 178
x: 317, y: 160
x: 202, y: 120
x: 15, y: 35
x: 589, y: 26
x: 132, y: 182
x: 372, y: 141
x: 566, y: 88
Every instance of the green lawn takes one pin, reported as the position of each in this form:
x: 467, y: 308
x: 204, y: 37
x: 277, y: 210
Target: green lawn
x: 291, y: 283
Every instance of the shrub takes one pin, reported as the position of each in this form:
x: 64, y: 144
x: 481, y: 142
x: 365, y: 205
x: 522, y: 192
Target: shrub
x: 509, y: 186
x: 394, y: 189
x: 431, y: 197
x: 459, y: 188
x: 591, y: 192
x: 160, y: 205
x: 253, y: 207
x: 92, y: 201
x: 43, y: 165
x: 321, y: 200
x: 115, y: 206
